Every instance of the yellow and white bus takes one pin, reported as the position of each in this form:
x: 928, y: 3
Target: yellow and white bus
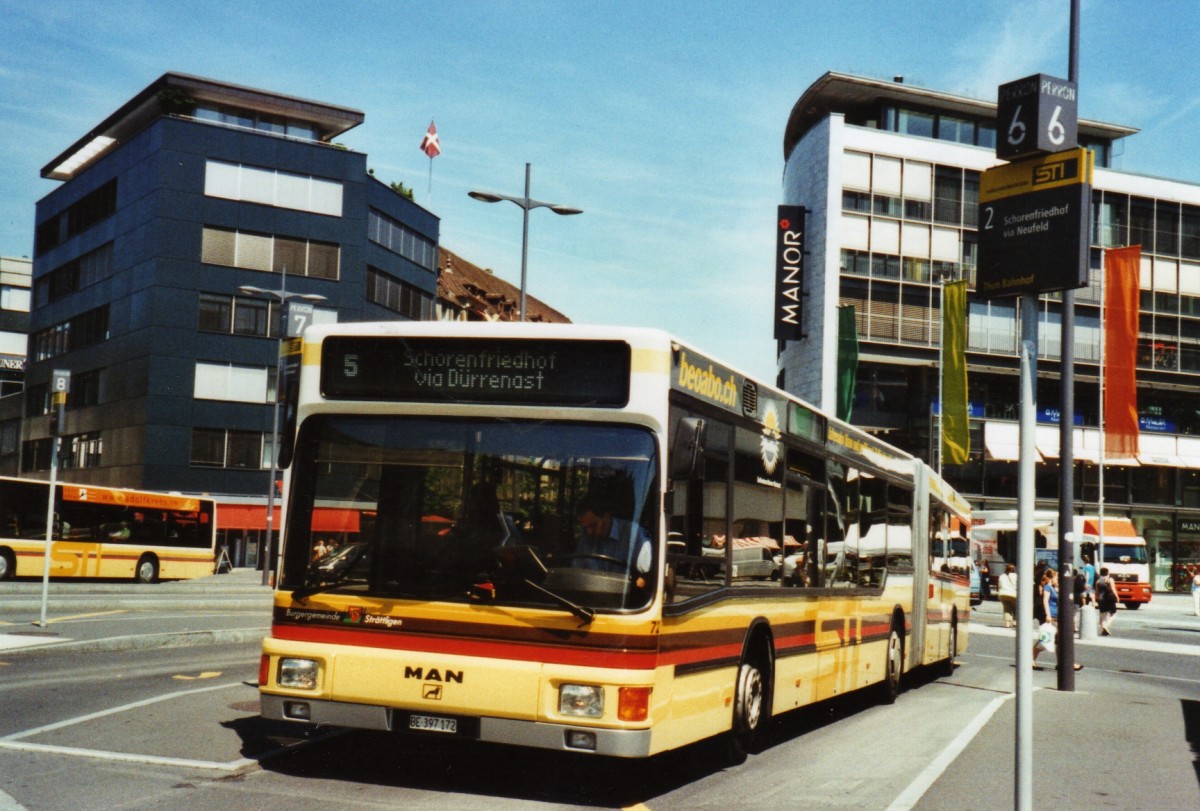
x: 589, y: 539
x: 103, y: 532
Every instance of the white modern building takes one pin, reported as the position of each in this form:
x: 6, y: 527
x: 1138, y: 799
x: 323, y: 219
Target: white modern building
x: 890, y: 174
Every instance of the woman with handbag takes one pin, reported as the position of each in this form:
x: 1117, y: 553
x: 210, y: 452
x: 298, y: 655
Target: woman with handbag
x: 1048, y: 632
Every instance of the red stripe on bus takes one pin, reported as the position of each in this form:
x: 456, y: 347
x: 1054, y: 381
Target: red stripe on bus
x: 494, y: 649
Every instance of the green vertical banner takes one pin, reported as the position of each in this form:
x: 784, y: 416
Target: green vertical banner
x: 847, y: 361
x: 956, y: 438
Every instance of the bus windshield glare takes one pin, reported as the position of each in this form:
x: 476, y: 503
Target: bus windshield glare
x: 494, y: 512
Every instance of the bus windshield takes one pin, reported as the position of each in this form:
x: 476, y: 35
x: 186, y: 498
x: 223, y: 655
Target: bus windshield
x: 497, y: 512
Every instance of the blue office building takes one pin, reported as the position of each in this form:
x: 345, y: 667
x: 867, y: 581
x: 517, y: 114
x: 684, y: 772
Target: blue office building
x: 190, y: 191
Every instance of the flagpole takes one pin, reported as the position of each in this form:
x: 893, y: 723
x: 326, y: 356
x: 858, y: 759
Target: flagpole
x: 1103, y: 345
x: 941, y: 402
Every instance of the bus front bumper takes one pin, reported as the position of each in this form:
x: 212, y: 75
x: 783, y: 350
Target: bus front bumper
x: 629, y: 743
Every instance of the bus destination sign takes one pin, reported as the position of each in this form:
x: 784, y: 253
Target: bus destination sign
x: 476, y: 370
x: 1033, y: 225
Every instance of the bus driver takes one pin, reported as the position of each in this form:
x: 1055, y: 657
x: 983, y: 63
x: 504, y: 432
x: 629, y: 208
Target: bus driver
x: 610, y: 543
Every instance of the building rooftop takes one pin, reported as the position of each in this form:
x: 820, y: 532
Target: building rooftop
x: 862, y: 98
x: 170, y: 92
x: 485, y: 296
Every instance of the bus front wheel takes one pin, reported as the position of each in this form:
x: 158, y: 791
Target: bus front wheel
x: 147, y: 570
x: 893, y: 667
x: 749, y: 710
x: 8, y: 565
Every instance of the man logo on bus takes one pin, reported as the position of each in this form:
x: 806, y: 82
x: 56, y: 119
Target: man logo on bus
x: 769, y: 444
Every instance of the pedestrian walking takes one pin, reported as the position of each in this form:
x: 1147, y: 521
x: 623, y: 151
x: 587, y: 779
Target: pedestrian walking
x: 1007, y: 585
x: 1048, y: 631
x: 1106, y: 601
x: 1089, y: 572
x: 1196, y: 589
x: 1039, y: 605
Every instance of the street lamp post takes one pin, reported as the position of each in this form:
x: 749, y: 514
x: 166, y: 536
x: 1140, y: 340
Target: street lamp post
x: 526, y: 203
x: 287, y: 328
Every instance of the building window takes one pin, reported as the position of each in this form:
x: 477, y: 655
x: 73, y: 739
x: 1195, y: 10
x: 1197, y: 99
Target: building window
x: 82, y: 451
x: 244, y: 249
x: 397, y: 296
x: 224, y: 448
x: 14, y: 299
x: 86, y: 329
x: 78, y: 451
x: 77, y: 218
x: 399, y: 239
x: 250, y: 119
x: 75, y: 275
x: 85, y: 390
x: 231, y: 383
x: 271, y: 187
x: 10, y: 437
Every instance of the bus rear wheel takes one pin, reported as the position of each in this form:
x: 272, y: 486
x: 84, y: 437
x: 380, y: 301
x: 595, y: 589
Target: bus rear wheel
x: 8, y: 565
x: 947, y: 664
x: 147, y: 570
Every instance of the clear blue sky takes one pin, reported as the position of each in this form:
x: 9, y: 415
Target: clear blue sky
x: 662, y: 120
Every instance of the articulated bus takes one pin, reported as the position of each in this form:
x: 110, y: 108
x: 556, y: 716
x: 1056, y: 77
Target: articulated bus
x: 589, y: 539
x: 102, y: 532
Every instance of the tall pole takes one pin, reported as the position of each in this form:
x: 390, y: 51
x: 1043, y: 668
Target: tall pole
x: 1026, y: 493
x: 526, y: 203
x: 525, y: 240
x: 269, y: 544
x: 1066, y: 453
x: 60, y: 384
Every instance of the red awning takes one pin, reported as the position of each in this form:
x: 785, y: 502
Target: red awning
x: 253, y: 516
x: 243, y: 516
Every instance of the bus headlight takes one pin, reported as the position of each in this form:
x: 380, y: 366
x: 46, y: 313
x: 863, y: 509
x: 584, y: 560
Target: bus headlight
x: 581, y: 700
x: 299, y: 674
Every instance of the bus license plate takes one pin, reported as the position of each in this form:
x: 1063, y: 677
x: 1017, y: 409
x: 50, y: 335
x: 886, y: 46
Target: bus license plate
x: 431, y: 723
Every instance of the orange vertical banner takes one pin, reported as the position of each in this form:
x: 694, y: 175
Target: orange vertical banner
x: 1121, y: 269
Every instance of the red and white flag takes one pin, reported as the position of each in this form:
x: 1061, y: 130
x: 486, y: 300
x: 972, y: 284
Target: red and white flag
x: 430, y: 144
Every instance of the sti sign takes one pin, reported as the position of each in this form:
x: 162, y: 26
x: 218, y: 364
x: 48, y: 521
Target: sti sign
x: 789, y: 272
x: 1036, y: 115
x: 1033, y: 225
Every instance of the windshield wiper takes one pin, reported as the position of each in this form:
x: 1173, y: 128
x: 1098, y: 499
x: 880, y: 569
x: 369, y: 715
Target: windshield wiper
x: 521, y: 564
x: 304, y: 592
x: 583, y: 612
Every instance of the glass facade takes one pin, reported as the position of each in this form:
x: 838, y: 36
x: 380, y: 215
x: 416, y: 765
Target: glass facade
x: 907, y: 222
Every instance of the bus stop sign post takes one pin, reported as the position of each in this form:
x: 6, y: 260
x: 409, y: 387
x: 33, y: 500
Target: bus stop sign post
x: 1033, y: 239
x: 60, y: 385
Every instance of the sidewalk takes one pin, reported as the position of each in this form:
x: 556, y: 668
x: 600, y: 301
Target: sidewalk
x: 86, y: 616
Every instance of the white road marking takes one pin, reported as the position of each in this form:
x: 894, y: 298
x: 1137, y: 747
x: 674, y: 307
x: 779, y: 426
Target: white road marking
x: 917, y: 788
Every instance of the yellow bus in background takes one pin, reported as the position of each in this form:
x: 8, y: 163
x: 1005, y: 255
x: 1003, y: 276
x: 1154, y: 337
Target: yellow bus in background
x: 589, y: 539
x: 103, y: 532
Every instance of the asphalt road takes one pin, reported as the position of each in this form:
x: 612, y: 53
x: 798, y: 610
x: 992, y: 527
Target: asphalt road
x: 177, y: 728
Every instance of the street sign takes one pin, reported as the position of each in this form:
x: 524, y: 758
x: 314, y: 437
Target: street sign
x: 299, y: 314
x: 1033, y: 225
x: 789, y: 272
x: 1036, y: 115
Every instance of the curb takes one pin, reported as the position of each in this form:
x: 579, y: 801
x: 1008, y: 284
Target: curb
x: 198, y: 603
x: 182, y: 639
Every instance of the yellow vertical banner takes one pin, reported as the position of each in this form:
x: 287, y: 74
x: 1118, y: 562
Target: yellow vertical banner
x: 956, y: 436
